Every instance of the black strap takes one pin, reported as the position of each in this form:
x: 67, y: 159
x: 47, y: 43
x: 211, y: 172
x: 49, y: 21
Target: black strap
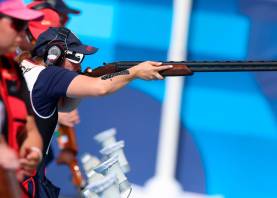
x: 63, y: 33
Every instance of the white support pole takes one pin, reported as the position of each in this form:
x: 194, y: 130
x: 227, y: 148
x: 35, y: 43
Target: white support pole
x: 164, y: 184
x: 170, y: 120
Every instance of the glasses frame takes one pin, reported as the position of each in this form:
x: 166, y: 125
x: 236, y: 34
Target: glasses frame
x: 69, y: 54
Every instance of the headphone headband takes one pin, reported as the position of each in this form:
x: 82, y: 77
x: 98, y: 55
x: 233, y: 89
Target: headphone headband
x: 63, y: 33
x: 57, y: 49
x: 58, y: 44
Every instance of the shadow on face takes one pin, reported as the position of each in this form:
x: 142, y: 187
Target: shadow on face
x: 71, y: 66
x: 11, y: 35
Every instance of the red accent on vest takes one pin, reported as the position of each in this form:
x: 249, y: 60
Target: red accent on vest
x: 25, y: 184
x: 15, y: 107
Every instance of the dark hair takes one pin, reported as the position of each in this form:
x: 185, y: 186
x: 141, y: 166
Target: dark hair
x: 22, y: 56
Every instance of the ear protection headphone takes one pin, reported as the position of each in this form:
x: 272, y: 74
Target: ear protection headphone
x: 56, y: 48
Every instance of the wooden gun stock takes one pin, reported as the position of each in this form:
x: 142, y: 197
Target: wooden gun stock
x: 67, y: 139
x: 177, y: 70
x: 9, y: 186
x: 67, y: 156
x: 184, y: 68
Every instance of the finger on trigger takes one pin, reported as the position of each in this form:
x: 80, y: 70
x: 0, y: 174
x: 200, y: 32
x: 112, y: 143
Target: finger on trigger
x: 159, y: 76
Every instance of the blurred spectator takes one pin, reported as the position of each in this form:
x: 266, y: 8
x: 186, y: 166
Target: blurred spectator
x: 63, y: 10
x: 50, y: 19
x: 19, y: 122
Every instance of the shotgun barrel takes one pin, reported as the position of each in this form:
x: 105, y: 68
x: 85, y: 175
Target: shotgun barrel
x: 184, y: 68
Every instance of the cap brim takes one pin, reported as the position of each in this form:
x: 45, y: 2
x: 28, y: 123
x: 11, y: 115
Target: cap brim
x: 67, y: 10
x: 24, y: 14
x: 84, y: 49
x: 64, y: 9
x: 72, y: 11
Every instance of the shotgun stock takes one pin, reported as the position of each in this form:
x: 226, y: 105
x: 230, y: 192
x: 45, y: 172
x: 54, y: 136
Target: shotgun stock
x: 67, y: 156
x: 185, y: 68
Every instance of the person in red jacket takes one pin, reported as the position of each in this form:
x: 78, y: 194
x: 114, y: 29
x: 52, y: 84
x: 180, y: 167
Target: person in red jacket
x: 63, y: 9
x: 19, y: 130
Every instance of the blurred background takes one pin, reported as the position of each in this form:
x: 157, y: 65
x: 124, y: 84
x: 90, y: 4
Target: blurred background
x: 228, y: 135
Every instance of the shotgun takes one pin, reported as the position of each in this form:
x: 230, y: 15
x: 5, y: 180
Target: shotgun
x: 185, y: 68
x: 68, y: 154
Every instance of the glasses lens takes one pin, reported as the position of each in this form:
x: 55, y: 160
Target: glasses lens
x: 74, y: 57
x: 19, y: 25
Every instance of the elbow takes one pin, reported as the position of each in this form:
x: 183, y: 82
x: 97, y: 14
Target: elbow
x: 103, y: 91
x: 102, y: 88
